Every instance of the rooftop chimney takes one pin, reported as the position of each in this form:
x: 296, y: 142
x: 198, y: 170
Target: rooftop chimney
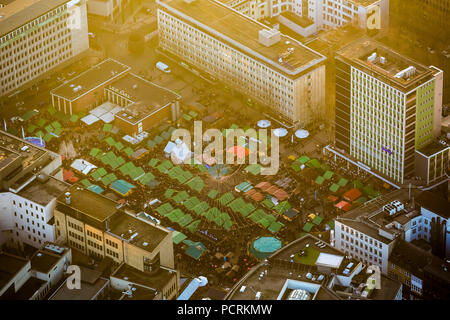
x: 67, y: 197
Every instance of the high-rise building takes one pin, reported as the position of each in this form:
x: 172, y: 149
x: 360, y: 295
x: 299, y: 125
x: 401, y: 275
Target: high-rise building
x: 262, y: 63
x: 31, y: 180
x: 387, y: 107
x: 38, y: 35
x: 309, y: 17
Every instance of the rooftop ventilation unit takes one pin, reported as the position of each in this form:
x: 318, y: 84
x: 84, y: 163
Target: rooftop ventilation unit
x: 269, y: 37
x: 406, y: 73
x: 189, y: 1
x: 372, y: 57
x: 390, y: 209
x: 54, y: 248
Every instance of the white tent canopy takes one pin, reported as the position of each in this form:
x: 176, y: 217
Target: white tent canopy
x: 90, y: 119
x: 302, y: 133
x: 82, y: 166
x: 263, y: 123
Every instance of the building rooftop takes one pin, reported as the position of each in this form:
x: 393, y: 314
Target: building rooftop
x: 385, y: 64
x: 85, y: 202
x: 242, y: 33
x: 44, y: 259
x: 371, y: 219
x: 147, y: 97
x: 19, y: 12
x: 433, y: 148
x: 410, y: 257
x: 155, y: 281
x: 90, y: 79
x: 10, y: 265
x: 144, y: 235
x: 364, y: 3
x: 28, y: 289
x: 434, y: 203
x: 284, y: 271
x: 13, y: 148
x: 43, y: 191
x: 88, y: 291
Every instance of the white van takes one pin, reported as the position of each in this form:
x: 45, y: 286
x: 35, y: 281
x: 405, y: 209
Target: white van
x: 163, y: 67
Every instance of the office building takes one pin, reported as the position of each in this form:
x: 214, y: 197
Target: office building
x: 110, y: 92
x: 261, y: 63
x: 308, y: 17
x: 371, y: 231
x: 37, y: 36
x: 93, y: 225
x: 31, y: 180
x: 387, y: 107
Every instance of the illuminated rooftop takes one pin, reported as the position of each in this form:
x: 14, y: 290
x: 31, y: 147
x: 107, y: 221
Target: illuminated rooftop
x: 385, y: 64
x: 242, y: 33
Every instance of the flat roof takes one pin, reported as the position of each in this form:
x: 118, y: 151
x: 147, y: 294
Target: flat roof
x: 432, y: 148
x: 98, y: 75
x: 28, y: 289
x: 88, y: 291
x: 434, y: 203
x: 19, y: 12
x: 147, y: 96
x: 155, y: 281
x: 280, y: 269
x: 358, y: 52
x: 89, y: 203
x: 12, y: 148
x: 148, y: 237
x: 44, y: 260
x: 410, y: 257
x: 364, y: 3
x: 10, y: 265
x: 44, y: 192
x: 242, y: 33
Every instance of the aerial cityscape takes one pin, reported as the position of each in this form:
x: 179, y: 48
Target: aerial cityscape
x: 232, y: 150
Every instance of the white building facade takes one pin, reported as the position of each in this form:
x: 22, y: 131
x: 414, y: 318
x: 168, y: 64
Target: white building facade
x: 29, y: 47
x: 298, y: 97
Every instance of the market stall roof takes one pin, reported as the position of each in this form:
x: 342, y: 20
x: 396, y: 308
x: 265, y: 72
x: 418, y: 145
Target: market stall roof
x: 317, y: 220
x: 254, y: 169
x: 328, y: 175
x: 343, y: 182
x: 82, y: 166
x: 303, y: 159
x: 319, y: 180
x: 308, y: 226
x: 95, y: 188
x: 343, y: 205
x: 178, y: 237
x: 352, y: 194
x: 122, y: 187
x: 194, y: 249
x: 90, y: 119
x: 334, y: 187
x: 226, y: 198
